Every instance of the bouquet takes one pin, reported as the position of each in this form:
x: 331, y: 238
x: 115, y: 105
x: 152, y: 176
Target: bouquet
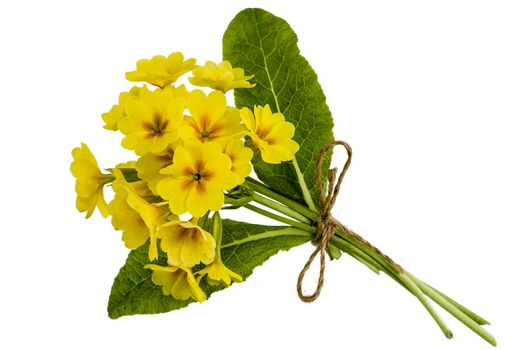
x: 194, y: 158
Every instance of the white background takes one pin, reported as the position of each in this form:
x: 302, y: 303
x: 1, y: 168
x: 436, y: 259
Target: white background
x: 429, y: 94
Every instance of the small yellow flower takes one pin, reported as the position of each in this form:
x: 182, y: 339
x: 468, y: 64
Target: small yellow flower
x: 118, y: 112
x: 198, y: 176
x: 89, y: 182
x: 178, y: 282
x: 218, y: 273
x: 149, y: 165
x: 211, y: 119
x: 161, y: 71
x: 240, y: 157
x: 270, y: 133
x: 152, y: 122
x: 220, y: 76
x: 186, y: 244
x: 140, y: 227
x: 135, y: 232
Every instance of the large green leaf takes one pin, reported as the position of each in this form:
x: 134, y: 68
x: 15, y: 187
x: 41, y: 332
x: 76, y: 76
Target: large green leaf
x: 265, y: 46
x: 245, y: 246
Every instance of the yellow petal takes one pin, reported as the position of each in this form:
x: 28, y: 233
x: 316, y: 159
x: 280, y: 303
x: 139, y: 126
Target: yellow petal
x: 280, y: 132
x: 176, y: 191
x: 216, y: 103
x: 248, y: 118
x: 196, y: 103
x: 203, y: 198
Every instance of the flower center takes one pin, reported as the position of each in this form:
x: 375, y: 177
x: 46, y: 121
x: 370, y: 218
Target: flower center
x: 205, y: 134
x: 197, y: 177
x: 157, y: 127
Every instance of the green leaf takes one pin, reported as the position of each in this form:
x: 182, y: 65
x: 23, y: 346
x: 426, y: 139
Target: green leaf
x: 265, y: 46
x: 245, y: 246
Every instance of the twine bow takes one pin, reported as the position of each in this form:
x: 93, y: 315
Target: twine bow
x: 327, y: 225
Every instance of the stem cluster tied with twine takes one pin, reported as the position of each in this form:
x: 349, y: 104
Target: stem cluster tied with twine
x: 327, y: 225
x: 329, y: 230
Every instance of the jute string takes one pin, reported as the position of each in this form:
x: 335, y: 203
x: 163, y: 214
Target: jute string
x: 327, y: 225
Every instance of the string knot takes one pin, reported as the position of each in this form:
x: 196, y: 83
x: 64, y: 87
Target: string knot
x: 326, y: 224
x: 326, y: 227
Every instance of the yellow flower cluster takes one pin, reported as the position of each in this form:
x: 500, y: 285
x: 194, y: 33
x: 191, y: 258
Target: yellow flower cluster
x: 191, y: 149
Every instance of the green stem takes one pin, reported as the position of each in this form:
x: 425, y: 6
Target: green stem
x: 333, y: 252
x: 475, y: 317
x: 454, y: 311
x: 375, y: 263
x: 300, y: 179
x: 282, y: 219
x: 280, y: 208
x: 356, y: 253
x: 216, y: 230
x: 350, y: 250
x: 421, y: 296
x: 268, y: 192
x: 386, y: 266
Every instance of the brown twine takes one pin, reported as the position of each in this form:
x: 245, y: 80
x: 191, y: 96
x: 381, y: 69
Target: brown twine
x: 327, y: 225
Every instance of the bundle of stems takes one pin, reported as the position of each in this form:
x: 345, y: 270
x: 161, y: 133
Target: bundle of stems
x: 265, y: 201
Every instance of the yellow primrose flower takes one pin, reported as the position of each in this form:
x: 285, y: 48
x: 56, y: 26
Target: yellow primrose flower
x: 89, y: 182
x: 218, y: 273
x: 135, y: 231
x: 210, y: 119
x: 118, y: 112
x: 186, y: 243
x: 178, y: 282
x: 150, y: 215
x: 152, y: 122
x: 198, y: 176
x: 240, y: 157
x: 149, y: 165
x: 270, y: 133
x: 161, y: 71
x: 220, y: 76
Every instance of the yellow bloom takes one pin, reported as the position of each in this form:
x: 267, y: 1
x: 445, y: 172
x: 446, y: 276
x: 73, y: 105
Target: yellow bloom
x: 220, y: 76
x: 270, y: 133
x: 141, y: 225
x: 178, y: 282
x: 118, y: 112
x: 161, y: 71
x: 218, y: 273
x: 149, y: 165
x: 210, y: 119
x: 90, y: 182
x: 135, y: 232
x: 240, y: 157
x: 152, y: 122
x: 186, y: 244
x: 198, y: 176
